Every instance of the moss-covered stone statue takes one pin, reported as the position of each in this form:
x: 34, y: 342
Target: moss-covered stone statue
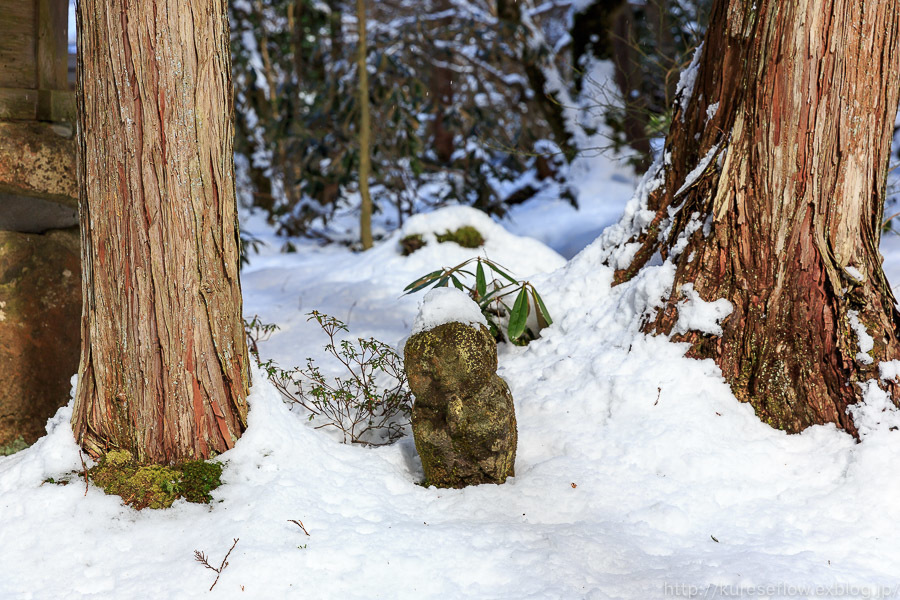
x: 463, y: 418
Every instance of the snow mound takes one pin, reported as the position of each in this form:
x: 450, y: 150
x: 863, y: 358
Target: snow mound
x: 499, y: 244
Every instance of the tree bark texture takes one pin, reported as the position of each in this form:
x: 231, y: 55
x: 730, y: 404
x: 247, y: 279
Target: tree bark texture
x: 164, y: 364
x: 771, y: 196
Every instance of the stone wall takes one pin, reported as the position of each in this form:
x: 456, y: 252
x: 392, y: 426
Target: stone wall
x: 40, y: 260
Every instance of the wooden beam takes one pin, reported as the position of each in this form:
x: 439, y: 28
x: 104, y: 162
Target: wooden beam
x: 18, y: 40
x: 52, y: 48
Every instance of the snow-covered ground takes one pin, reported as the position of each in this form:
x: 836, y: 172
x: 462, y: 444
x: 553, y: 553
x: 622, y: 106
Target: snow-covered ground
x: 638, y: 474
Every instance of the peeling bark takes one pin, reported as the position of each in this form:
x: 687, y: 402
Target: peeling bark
x: 164, y: 367
x: 788, y: 207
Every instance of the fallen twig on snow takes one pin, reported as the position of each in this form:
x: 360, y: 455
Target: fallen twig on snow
x: 201, y: 558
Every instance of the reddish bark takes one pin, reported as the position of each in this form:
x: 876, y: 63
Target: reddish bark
x: 164, y: 368
x: 792, y: 196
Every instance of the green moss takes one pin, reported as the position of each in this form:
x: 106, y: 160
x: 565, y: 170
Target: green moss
x: 155, y: 486
x: 199, y: 479
x: 118, y: 458
x: 14, y: 446
x: 449, y: 357
x: 411, y: 243
x: 466, y: 236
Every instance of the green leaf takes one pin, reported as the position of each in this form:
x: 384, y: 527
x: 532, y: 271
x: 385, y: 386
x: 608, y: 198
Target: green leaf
x: 480, y: 282
x: 422, y: 282
x: 491, y: 296
x: 496, y: 268
x: 518, y: 315
x: 443, y: 282
x: 456, y: 283
x: 543, y: 315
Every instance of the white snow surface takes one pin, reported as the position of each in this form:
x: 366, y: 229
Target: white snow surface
x: 684, y: 91
x: 638, y: 474
x: 863, y: 339
x: 447, y: 305
x: 854, y: 273
x: 696, y: 314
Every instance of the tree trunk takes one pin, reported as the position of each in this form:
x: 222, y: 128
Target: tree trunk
x: 164, y: 369
x: 592, y: 34
x: 771, y: 197
x: 440, y: 82
x: 604, y: 29
x: 628, y: 79
x: 365, y: 133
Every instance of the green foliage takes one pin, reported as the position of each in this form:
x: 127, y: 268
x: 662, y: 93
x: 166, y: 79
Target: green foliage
x: 256, y: 332
x: 466, y: 236
x: 492, y: 296
x: 248, y: 242
x: 14, y: 446
x: 411, y: 243
x: 371, y: 404
x: 198, y: 479
x: 155, y: 486
x: 297, y: 109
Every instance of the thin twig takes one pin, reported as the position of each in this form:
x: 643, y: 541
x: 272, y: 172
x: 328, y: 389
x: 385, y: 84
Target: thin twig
x: 300, y: 523
x: 201, y: 558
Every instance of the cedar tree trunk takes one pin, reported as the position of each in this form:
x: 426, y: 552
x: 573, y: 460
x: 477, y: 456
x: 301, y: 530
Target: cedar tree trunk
x: 164, y: 368
x: 771, y: 197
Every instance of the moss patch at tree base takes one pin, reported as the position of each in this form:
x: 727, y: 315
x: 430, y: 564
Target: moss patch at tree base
x: 155, y: 486
x: 17, y: 445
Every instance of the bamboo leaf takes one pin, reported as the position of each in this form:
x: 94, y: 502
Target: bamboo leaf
x: 543, y: 315
x: 480, y: 282
x: 422, y: 282
x: 502, y: 273
x: 518, y: 315
x: 443, y: 282
x: 456, y: 283
x: 490, y: 296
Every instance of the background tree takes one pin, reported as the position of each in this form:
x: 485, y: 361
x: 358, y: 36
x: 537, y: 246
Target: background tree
x: 365, y: 128
x: 771, y: 196
x: 164, y: 369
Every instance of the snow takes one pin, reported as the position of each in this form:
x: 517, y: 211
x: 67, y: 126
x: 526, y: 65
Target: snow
x: 854, y: 273
x: 864, y: 340
x: 697, y: 171
x: 889, y: 369
x: 695, y: 314
x: 638, y: 473
x: 686, y: 81
x: 447, y: 305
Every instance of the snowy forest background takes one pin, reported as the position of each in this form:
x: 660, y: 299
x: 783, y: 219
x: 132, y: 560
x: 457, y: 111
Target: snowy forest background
x: 639, y: 475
